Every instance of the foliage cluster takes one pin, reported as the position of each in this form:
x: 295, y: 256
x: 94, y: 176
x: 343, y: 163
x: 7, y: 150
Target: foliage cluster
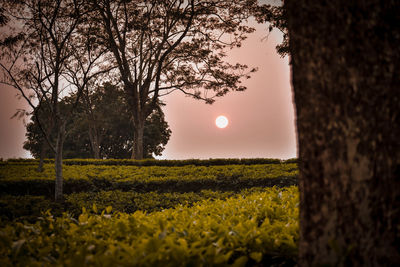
x: 29, y: 207
x: 251, y: 229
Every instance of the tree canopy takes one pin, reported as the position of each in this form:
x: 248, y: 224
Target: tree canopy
x: 102, y: 113
x: 275, y: 16
x: 163, y: 46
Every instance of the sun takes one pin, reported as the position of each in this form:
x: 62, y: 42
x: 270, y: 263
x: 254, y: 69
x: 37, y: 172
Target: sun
x: 221, y: 122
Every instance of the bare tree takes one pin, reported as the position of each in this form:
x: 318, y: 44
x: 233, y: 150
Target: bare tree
x: 163, y: 46
x: 35, y: 63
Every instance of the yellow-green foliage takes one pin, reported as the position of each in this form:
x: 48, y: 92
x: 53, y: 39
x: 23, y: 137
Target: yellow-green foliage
x: 28, y: 207
x: 148, y: 174
x: 149, y: 201
x: 250, y: 228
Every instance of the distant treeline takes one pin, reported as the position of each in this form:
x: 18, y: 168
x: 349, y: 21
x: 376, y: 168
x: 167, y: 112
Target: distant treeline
x: 155, y: 162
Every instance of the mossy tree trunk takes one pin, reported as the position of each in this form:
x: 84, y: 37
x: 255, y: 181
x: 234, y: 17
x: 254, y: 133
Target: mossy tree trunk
x: 345, y: 60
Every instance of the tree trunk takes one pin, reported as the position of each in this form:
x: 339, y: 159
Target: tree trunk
x: 137, y: 152
x: 45, y: 146
x: 96, y: 148
x: 94, y: 141
x: 58, y: 162
x: 42, y: 155
x: 345, y: 74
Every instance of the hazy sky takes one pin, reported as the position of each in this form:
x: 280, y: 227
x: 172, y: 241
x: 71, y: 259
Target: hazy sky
x: 261, y: 119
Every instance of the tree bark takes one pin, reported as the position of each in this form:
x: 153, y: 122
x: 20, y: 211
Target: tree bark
x: 345, y: 74
x: 58, y: 162
x: 137, y: 152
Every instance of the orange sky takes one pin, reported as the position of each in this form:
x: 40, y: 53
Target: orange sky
x: 261, y: 119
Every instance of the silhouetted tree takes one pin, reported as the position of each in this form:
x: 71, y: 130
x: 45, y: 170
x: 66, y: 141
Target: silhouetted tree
x: 107, y: 122
x: 162, y: 46
x: 345, y: 58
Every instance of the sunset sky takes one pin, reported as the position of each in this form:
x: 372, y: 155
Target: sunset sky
x: 261, y: 119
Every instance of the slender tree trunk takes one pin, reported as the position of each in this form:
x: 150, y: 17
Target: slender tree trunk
x: 42, y: 155
x: 58, y: 162
x: 137, y: 152
x: 345, y: 76
x: 45, y: 146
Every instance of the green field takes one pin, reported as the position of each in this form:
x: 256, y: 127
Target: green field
x: 129, y: 214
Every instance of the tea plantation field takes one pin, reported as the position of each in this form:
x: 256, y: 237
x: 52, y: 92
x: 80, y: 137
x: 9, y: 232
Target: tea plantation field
x: 150, y: 213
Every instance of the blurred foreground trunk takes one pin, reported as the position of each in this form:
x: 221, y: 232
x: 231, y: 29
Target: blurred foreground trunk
x: 345, y: 74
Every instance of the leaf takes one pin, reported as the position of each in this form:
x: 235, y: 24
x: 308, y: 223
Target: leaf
x: 83, y: 218
x: 241, y: 261
x: 182, y: 242
x: 108, y: 209
x: 270, y: 28
x: 257, y: 256
x: 94, y: 208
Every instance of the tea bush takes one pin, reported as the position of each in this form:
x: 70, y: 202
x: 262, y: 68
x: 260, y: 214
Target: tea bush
x: 258, y: 228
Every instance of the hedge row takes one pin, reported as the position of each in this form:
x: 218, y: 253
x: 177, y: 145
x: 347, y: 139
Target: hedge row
x: 46, y: 187
x: 149, y: 173
x: 29, y: 208
x: 154, y: 162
